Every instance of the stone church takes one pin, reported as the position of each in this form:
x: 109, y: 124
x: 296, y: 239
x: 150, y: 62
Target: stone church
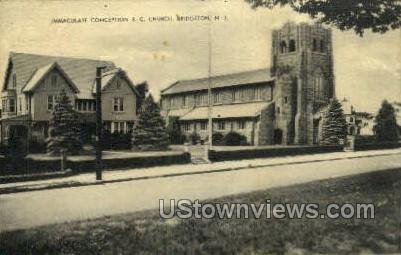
x: 277, y: 105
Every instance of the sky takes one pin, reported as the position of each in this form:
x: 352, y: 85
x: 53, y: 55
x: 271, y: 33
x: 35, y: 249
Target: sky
x: 367, y: 69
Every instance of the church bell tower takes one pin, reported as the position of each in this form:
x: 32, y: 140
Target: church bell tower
x: 302, y: 62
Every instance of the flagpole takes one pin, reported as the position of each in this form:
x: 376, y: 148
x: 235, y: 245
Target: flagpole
x: 210, y: 103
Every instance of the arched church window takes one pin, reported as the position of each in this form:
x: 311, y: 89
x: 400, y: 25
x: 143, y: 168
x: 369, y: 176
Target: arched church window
x: 314, y: 46
x: 322, y: 46
x: 318, y: 87
x: 283, y: 47
x: 292, y: 46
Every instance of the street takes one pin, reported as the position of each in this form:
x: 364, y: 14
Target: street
x: 30, y: 209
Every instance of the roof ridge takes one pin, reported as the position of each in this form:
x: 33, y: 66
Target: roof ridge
x: 13, y: 53
x: 226, y: 74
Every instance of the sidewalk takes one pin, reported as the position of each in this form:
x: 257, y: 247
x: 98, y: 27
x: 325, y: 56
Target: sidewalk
x: 177, y: 170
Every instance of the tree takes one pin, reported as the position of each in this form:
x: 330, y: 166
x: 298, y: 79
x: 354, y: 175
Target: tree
x: 174, y: 132
x: 64, y: 127
x: 143, y: 89
x: 150, y: 132
x: 334, y: 126
x: 359, y: 15
x: 386, y: 125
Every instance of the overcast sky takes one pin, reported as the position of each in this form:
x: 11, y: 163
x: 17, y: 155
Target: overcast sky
x: 367, y: 69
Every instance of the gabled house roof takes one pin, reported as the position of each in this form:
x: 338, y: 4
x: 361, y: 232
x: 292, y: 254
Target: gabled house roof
x: 108, y: 76
x: 234, y: 79
x: 41, y: 73
x: 82, y: 72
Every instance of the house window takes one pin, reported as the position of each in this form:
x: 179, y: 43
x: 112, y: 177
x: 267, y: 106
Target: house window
x: 14, y: 80
x: 118, y: 83
x: 4, y: 105
x: 11, y: 105
x: 203, y: 125
x: 283, y: 47
x: 187, y: 126
x: 278, y: 110
x: 292, y: 46
x: 241, y: 124
x: 50, y: 102
x: 20, y: 104
x: 130, y: 127
x: 54, y: 80
x: 118, y: 104
x: 118, y: 127
x: 351, y: 119
x: 285, y: 100
x: 221, y: 125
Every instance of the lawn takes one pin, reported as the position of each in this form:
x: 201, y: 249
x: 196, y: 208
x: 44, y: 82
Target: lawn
x: 146, y: 233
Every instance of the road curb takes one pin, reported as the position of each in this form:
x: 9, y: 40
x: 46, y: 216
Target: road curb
x: 72, y: 184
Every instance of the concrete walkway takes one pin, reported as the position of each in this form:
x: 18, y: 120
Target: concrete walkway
x: 177, y: 170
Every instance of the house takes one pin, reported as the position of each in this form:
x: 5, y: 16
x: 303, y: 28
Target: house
x: 358, y: 123
x: 277, y: 105
x: 32, y: 83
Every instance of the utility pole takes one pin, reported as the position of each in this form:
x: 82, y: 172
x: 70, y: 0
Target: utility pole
x: 99, y: 123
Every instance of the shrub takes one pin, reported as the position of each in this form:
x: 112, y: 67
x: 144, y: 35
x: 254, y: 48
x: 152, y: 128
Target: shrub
x: 234, y: 139
x: 194, y: 138
x: 120, y: 141
x: 217, y: 138
x: 116, y: 141
x: 174, y: 131
x: 386, y: 124
x: 37, y: 146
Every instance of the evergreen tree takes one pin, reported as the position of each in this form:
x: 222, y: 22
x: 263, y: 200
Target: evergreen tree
x: 64, y: 127
x: 150, y: 132
x: 386, y: 124
x: 334, y: 126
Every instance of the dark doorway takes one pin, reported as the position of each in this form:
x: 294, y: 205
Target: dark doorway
x: 316, y: 134
x: 278, y: 136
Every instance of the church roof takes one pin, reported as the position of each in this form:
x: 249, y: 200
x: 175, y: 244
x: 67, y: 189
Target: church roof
x: 226, y: 80
x: 227, y: 111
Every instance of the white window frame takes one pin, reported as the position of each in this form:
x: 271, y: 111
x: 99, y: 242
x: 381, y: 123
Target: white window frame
x: 118, y: 104
x: 9, y: 105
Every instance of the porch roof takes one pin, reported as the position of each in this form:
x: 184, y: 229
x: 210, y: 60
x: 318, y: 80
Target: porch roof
x: 18, y: 118
x: 227, y: 111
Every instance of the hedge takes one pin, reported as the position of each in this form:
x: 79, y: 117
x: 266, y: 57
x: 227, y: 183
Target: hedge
x: 35, y: 166
x: 222, y: 155
x: 134, y: 162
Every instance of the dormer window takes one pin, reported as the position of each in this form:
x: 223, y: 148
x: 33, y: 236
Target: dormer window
x: 292, y: 46
x: 14, y: 81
